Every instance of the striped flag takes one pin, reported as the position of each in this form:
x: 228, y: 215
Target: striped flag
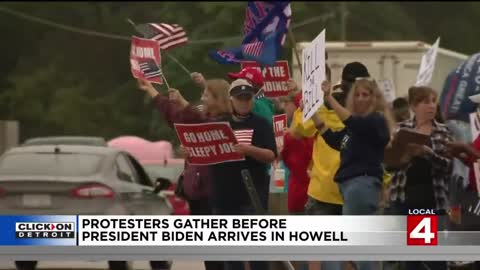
x: 244, y: 136
x: 167, y: 35
x: 253, y: 49
x: 150, y: 69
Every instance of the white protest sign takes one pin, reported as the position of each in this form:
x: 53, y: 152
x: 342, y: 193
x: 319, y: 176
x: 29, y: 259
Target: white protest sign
x: 388, y: 89
x: 427, y: 65
x: 313, y: 75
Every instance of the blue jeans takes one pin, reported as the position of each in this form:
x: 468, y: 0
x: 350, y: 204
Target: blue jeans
x: 361, y: 196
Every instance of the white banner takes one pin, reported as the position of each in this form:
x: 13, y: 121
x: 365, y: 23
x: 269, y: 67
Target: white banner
x: 313, y: 75
x: 239, y: 230
x: 427, y: 65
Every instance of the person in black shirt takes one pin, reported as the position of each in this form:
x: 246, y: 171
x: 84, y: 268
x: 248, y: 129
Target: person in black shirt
x: 257, y: 142
x: 368, y: 128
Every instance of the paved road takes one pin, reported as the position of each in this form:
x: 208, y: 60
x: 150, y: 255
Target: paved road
x: 139, y: 265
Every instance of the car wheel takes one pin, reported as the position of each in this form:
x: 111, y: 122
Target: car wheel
x: 26, y: 265
x: 119, y: 265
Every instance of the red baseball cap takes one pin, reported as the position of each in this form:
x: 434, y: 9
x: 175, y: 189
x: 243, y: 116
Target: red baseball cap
x: 250, y: 74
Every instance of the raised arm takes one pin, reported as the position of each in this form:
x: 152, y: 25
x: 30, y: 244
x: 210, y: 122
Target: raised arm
x: 174, y: 108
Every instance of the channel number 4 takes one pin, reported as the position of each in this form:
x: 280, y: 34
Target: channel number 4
x: 422, y: 230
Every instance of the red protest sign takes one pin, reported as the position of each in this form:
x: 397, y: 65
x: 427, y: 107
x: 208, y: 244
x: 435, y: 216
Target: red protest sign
x: 145, y: 60
x: 208, y: 143
x: 275, y: 77
x: 279, y: 127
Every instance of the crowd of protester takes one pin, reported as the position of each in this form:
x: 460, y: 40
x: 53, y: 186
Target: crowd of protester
x: 335, y: 160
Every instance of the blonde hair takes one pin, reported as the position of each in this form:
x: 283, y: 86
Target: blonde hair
x: 219, y: 89
x: 379, y: 103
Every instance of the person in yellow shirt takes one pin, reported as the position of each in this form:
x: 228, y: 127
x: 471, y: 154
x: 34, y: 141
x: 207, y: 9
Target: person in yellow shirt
x: 324, y: 195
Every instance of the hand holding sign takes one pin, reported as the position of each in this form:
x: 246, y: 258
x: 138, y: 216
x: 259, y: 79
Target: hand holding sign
x: 327, y: 88
x: 175, y: 96
x: 242, y: 149
x: 198, y: 79
x: 144, y: 85
x: 292, y: 85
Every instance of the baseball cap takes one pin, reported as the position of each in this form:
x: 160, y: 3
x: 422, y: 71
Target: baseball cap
x: 241, y: 87
x: 251, y: 74
x: 354, y: 70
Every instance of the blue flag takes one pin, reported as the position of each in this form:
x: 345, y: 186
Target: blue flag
x: 460, y: 84
x: 265, y: 28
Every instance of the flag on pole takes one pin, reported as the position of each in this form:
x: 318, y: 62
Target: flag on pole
x: 265, y: 28
x: 167, y: 35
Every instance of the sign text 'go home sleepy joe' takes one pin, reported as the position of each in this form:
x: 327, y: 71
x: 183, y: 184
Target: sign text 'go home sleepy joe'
x: 208, y: 143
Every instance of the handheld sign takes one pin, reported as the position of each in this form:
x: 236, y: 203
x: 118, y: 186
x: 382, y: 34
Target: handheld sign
x: 145, y: 60
x: 388, y: 90
x: 279, y: 126
x: 427, y: 65
x: 275, y: 77
x: 208, y: 143
x: 313, y: 75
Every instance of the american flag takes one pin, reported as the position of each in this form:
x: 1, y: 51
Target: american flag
x: 244, y: 136
x: 253, y: 49
x: 167, y: 35
x: 150, y: 69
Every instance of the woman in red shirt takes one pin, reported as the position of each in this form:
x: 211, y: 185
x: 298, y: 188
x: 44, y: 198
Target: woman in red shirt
x: 296, y: 155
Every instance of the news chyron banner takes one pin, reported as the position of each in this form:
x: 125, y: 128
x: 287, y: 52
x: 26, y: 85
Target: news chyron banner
x: 421, y: 228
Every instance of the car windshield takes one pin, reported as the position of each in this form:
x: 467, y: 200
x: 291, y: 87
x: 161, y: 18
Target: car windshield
x: 170, y: 172
x: 46, y: 164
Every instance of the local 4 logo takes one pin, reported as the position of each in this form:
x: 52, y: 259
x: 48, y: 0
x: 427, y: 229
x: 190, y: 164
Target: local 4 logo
x: 422, y: 230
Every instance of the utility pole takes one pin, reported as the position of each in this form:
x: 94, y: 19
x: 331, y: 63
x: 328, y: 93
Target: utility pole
x: 343, y: 20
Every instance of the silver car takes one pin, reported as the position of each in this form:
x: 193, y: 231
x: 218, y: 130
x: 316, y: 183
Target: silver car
x: 77, y: 180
